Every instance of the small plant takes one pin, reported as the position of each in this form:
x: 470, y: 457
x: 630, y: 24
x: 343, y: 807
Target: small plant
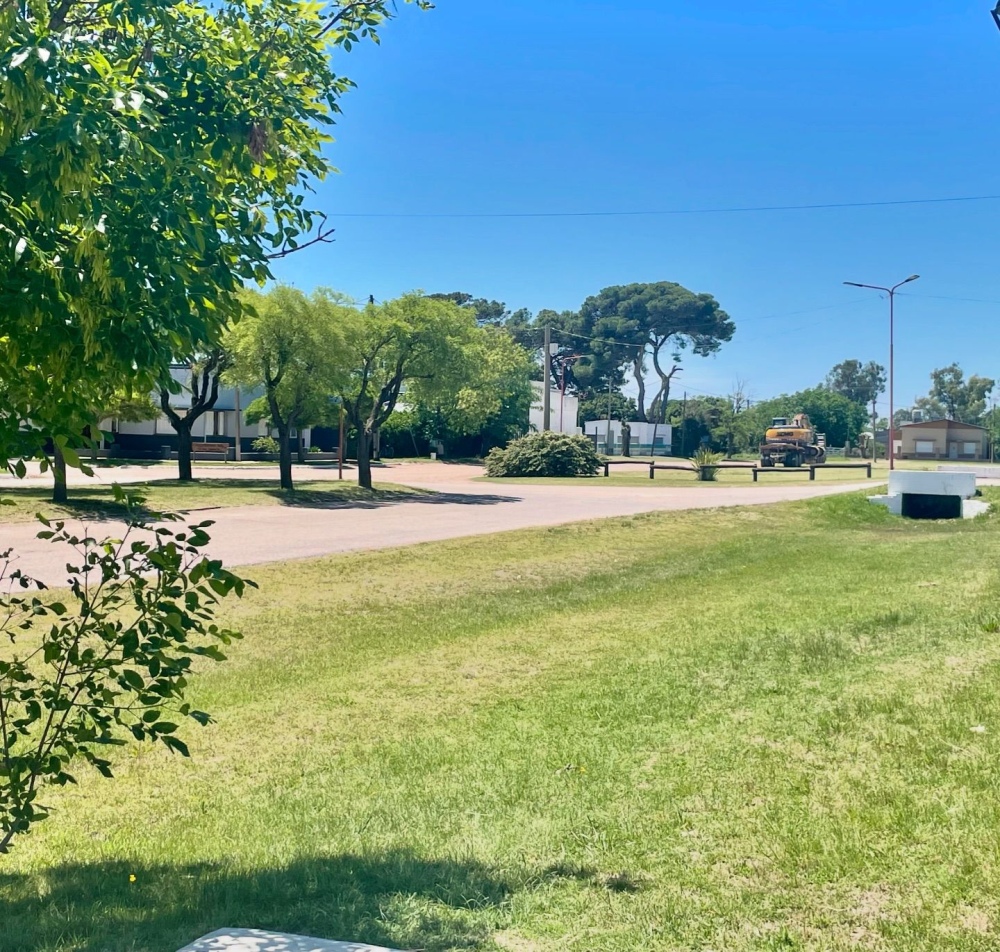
x: 314, y: 449
x: 266, y: 444
x: 706, y: 464
x: 544, y: 454
x: 107, y: 666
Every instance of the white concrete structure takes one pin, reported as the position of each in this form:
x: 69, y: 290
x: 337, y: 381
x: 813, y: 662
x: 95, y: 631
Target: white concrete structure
x: 564, y: 409
x: 919, y: 494
x: 642, y: 437
x: 257, y: 940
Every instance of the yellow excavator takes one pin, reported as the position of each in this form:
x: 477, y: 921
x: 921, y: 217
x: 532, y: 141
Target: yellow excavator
x: 793, y: 444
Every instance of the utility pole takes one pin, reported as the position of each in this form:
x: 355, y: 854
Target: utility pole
x: 684, y: 416
x: 238, y: 455
x: 340, y: 444
x: 607, y: 432
x: 547, y: 379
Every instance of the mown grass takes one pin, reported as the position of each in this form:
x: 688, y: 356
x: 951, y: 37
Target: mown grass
x: 741, y: 729
x: 98, y: 502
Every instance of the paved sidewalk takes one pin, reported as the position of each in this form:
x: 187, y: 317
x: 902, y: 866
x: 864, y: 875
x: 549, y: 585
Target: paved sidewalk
x: 461, y: 506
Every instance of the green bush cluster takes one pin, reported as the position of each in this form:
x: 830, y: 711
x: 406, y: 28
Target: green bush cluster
x: 545, y: 454
x: 265, y: 444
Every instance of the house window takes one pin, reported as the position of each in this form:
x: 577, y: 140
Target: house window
x: 969, y: 449
x: 925, y: 447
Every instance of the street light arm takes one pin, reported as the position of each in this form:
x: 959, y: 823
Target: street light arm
x: 912, y: 277
x: 874, y: 287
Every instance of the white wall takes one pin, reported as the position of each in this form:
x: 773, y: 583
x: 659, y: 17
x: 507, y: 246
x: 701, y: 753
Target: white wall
x: 563, y: 410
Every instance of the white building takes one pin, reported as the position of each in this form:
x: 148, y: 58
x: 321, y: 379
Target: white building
x: 157, y: 437
x: 642, y: 437
x: 564, y: 410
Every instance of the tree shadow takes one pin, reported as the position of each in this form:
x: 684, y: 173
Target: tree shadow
x: 395, y: 898
x: 94, y: 503
x: 380, y: 498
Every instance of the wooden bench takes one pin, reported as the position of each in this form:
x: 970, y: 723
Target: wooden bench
x: 220, y: 450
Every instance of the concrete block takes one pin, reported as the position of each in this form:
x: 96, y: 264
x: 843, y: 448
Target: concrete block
x: 983, y: 472
x: 974, y: 507
x: 257, y: 940
x: 893, y: 503
x: 916, y: 482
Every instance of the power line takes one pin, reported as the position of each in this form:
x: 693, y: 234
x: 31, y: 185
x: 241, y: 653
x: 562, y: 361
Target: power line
x: 736, y: 209
x: 944, y: 297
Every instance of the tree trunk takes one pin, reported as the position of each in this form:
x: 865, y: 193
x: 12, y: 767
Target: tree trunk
x: 364, y: 463
x: 641, y: 384
x: 184, y: 453
x: 285, y: 458
x: 59, y: 491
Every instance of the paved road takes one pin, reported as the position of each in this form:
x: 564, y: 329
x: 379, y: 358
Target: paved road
x: 249, y: 535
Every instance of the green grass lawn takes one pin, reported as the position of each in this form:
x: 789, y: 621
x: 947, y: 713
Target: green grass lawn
x: 96, y: 502
x: 739, y: 729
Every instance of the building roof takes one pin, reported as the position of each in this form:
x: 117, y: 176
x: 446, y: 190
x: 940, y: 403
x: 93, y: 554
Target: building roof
x: 947, y: 423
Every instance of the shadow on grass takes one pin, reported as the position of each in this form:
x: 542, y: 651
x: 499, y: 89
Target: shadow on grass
x: 396, y: 899
x: 357, y: 498
x: 92, y: 504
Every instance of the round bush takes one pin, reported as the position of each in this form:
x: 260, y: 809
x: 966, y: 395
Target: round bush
x: 545, y: 454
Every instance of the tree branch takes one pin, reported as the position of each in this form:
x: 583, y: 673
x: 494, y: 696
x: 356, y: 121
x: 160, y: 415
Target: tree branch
x: 322, y: 237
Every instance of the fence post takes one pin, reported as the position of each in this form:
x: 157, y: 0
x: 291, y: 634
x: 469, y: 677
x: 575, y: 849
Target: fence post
x: 755, y: 474
x: 652, y: 470
x: 607, y: 469
x: 812, y: 474
x: 869, y: 470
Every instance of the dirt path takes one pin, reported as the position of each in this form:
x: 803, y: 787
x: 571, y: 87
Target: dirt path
x: 461, y: 506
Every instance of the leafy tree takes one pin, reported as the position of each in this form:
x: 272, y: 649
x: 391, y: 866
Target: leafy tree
x: 488, y: 313
x: 862, y: 383
x: 110, y: 664
x: 958, y: 398
x: 292, y: 345
x: 658, y: 322
x: 414, y: 343
x: 203, y: 392
x: 153, y: 158
x: 495, y: 394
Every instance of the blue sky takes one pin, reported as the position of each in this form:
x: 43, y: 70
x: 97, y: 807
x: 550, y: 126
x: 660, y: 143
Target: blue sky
x: 594, y: 105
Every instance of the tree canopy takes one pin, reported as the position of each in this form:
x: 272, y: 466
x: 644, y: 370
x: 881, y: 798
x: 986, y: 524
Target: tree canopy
x: 153, y: 158
x: 425, y: 347
x: 293, y: 345
x: 859, y: 382
x: 955, y: 397
x: 657, y: 322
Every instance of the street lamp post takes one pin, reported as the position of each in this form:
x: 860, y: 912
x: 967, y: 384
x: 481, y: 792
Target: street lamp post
x: 892, y: 297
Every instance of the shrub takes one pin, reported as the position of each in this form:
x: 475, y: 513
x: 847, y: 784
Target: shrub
x: 266, y: 444
x: 706, y: 464
x: 108, y: 665
x: 545, y: 454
